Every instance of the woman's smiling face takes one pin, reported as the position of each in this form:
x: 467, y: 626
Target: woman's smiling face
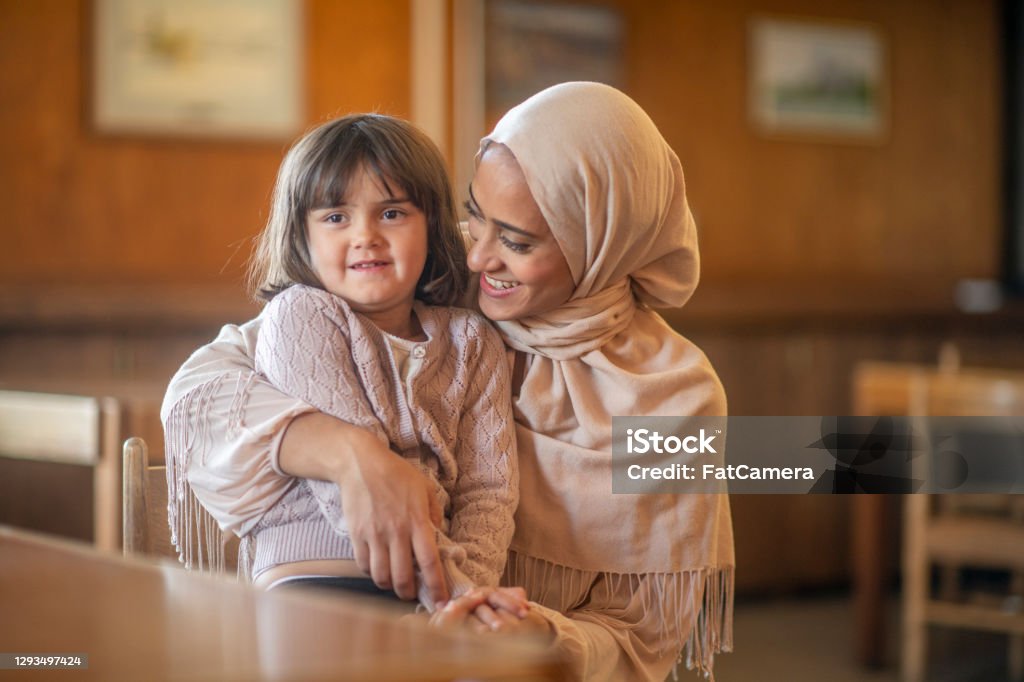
x: 522, y: 269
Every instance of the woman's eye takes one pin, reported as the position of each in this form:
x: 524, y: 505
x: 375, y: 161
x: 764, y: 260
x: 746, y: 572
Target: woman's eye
x: 471, y: 210
x: 518, y: 247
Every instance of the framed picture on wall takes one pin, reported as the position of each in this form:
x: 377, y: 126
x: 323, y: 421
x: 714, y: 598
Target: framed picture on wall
x: 817, y: 78
x: 206, y: 68
x: 529, y: 46
x: 504, y: 51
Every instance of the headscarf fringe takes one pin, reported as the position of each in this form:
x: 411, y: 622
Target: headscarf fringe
x: 694, y: 607
x: 195, y: 534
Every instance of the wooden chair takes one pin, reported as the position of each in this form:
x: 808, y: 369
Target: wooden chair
x: 879, y: 388
x: 146, y: 529
x: 68, y: 429
x: 956, y: 532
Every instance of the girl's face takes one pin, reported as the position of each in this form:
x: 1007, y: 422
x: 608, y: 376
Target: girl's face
x: 522, y: 270
x: 370, y: 250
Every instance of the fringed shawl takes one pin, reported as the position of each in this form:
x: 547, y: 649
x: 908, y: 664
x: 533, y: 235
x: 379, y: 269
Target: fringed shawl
x: 612, y: 191
x: 194, y: 533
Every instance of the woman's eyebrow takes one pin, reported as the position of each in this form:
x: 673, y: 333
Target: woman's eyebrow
x: 500, y: 223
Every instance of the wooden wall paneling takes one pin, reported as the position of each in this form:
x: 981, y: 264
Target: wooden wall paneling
x: 803, y: 367
x: 922, y: 203
x: 86, y: 208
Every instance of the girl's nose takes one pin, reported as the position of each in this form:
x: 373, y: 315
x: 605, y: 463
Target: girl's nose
x: 365, y: 234
x: 481, y: 256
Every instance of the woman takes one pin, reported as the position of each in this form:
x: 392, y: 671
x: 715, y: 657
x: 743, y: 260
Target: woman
x: 579, y: 221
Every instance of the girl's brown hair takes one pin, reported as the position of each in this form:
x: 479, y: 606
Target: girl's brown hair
x: 315, y: 174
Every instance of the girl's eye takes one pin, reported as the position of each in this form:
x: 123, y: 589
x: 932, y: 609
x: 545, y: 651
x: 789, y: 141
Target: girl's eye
x: 518, y: 247
x: 334, y: 218
x: 393, y: 214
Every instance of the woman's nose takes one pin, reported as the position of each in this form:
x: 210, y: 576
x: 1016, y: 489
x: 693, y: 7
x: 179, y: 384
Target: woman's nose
x: 481, y: 257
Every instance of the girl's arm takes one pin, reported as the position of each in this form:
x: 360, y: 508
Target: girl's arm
x: 486, y: 491
x: 305, y: 349
x: 242, y: 442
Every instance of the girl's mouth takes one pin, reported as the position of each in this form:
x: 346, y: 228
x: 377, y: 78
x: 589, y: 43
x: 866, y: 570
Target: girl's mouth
x: 368, y: 265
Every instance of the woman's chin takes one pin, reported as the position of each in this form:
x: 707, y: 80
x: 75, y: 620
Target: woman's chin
x: 495, y: 310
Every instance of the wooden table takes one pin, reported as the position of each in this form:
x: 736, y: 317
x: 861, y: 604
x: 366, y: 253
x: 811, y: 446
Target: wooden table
x: 140, y: 620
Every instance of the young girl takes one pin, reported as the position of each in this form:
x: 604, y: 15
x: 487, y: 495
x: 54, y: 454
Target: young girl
x: 361, y: 260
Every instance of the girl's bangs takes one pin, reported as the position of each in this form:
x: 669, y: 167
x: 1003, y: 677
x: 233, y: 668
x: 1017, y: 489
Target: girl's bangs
x: 329, y: 177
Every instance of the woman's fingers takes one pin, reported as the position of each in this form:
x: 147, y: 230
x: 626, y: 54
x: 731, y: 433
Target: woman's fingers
x: 435, y: 511
x: 428, y: 558
x: 362, y: 552
x: 496, y: 620
x: 452, y: 614
x: 484, y: 609
x: 511, y: 600
x: 507, y: 622
x: 487, y: 616
x: 403, y: 578
x: 388, y: 504
x: 380, y: 565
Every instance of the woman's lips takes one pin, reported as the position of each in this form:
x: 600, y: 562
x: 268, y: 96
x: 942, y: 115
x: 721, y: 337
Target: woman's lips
x: 497, y: 288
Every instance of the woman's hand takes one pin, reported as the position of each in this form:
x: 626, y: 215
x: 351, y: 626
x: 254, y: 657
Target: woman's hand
x: 388, y: 504
x: 502, y: 610
x: 392, y: 515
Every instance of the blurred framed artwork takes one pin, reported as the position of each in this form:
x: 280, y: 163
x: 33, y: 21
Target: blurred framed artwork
x: 817, y: 78
x: 530, y: 46
x: 507, y: 50
x: 200, y: 68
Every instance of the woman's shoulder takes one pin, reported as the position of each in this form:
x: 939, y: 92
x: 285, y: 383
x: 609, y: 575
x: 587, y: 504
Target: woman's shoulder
x: 652, y: 347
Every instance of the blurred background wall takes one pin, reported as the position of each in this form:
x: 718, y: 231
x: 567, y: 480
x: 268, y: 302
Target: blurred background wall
x: 121, y: 254
x: 921, y: 204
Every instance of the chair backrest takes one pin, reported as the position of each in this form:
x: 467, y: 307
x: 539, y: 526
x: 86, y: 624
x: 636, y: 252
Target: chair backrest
x: 922, y: 390
x: 147, y: 530
x: 69, y: 429
x: 882, y: 388
x: 975, y: 393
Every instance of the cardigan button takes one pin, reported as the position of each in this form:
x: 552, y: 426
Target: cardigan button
x: 419, y: 352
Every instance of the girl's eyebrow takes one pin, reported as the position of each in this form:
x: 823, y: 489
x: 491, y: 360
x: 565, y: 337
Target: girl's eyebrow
x: 386, y: 202
x: 500, y: 223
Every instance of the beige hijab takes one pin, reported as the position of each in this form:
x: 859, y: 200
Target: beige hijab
x: 612, y: 191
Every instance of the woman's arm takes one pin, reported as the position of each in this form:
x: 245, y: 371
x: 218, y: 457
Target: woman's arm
x: 223, y: 426
x: 387, y: 503
x: 614, y: 636
x: 597, y: 645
